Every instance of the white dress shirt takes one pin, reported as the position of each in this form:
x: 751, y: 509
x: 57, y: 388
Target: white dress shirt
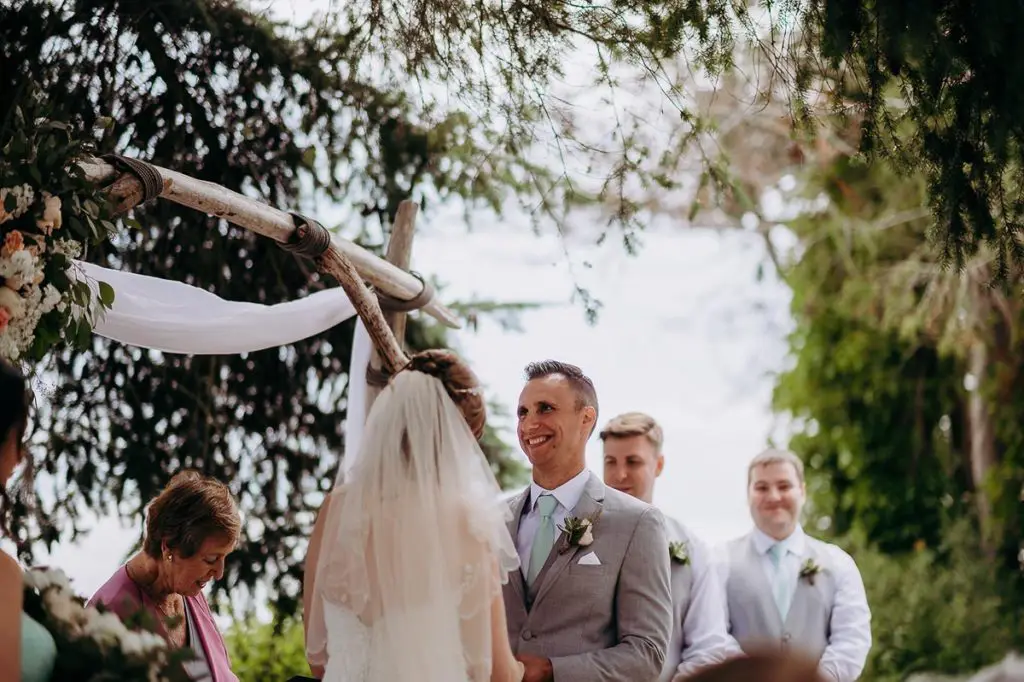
x: 706, y: 638
x: 567, y: 494
x: 849, y: 640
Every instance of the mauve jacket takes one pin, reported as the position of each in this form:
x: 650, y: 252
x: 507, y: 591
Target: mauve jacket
x: 122, y: 596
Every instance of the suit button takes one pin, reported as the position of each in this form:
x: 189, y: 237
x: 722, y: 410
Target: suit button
x: 527, y: 635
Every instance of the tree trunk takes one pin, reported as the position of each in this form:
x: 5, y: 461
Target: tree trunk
x: 981, y: 439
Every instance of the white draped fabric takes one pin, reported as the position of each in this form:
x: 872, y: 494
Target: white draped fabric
x: 174, y: 317
x: 355, y: 413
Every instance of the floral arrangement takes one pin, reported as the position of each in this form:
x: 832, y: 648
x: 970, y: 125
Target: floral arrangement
x: 677, y: 552
x: 577, y: 532
x: 49, y: 215
x: 94, y: 644
x: 809, y: 570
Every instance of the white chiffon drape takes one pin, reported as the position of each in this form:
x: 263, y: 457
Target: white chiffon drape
x: 174, y: 317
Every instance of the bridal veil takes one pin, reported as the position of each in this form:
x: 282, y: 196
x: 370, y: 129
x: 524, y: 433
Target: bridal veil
x: 416, y: 544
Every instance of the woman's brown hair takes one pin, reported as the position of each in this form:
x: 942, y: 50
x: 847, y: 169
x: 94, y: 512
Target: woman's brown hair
x: 189, y: 511
x: 459, y: 381
x: 15, y: 400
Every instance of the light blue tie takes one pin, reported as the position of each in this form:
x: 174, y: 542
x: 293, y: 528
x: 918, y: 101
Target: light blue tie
x: 544, y: 539
x: 781, y: 584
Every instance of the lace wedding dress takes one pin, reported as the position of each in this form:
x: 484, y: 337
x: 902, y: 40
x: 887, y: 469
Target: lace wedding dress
x: 357, y: 653
x: 414, y: 552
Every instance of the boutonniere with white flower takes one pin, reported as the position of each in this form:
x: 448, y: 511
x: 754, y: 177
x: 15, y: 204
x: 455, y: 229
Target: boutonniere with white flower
x: 809, y: 570
x: 677, y: 552
x: 577, y: 532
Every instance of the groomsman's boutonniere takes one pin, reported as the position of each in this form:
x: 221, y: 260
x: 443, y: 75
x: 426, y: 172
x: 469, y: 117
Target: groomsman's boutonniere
x: 809, y: 570
x: 677, y: 552
x: 578, y: 532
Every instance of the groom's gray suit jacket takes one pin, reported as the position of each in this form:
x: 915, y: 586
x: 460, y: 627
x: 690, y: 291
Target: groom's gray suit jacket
x: 597, y: 623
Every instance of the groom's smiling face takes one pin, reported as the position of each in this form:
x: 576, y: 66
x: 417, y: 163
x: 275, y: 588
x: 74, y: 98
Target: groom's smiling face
x: 553, y: 426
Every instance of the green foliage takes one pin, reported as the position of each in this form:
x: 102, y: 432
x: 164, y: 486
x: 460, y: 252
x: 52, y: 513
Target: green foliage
x: 933, y: 86
x: 884, y: 337
x: 267, y: 651
x: 937, y: 609
x: 877, y: 413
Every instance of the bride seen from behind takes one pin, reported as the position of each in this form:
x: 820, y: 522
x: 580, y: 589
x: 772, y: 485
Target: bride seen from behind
x: 406, y: 563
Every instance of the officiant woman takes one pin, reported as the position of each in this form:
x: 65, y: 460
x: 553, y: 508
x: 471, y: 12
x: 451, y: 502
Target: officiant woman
x: 191, y: 527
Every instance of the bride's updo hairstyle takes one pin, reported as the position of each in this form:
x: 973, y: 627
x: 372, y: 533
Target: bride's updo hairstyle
x: 459, y: 381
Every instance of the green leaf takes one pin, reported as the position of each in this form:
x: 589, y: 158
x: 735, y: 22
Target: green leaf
x: 106, y: 294
x: 76, y: 226
x: 84, y: 335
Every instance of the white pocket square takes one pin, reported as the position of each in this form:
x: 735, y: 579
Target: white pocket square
x: 589, y: 560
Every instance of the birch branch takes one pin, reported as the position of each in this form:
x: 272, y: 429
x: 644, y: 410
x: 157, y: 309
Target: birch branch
x: 126, y: 191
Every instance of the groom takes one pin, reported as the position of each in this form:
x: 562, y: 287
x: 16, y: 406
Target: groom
x: 595, y: 604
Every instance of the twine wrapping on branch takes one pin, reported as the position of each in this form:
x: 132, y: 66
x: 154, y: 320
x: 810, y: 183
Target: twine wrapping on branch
x: 310, y: 239
x: 147, y: 174
x: 397, y: 305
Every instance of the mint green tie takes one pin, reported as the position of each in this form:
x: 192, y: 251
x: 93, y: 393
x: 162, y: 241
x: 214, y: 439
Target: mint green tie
x: 544, y: 540
x: 780, y: 582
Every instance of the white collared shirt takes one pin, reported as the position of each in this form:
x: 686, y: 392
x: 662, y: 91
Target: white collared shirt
x: 706, y: 638
x: 568, y: 495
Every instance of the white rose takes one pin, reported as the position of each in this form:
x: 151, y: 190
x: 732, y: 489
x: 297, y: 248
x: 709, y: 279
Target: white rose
x: 10, y: 299
x: 132, y: 644
x: 587, y: 537
x: 152, y: 641
x: 59, y: 605
x: 42, y: 578
x: 105, y: 628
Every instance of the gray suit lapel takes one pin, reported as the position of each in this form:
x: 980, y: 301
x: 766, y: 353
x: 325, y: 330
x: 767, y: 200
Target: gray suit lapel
x: 517, y: 503
x: 589, y: 505
x: 764, y: 586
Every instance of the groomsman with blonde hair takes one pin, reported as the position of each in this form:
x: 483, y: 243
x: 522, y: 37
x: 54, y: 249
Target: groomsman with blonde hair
x: 633, y: 460
x: 789, y: 590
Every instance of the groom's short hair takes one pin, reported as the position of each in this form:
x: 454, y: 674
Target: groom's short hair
x: 586, y: 394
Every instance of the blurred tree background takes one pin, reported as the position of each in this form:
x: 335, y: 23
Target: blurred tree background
x: 889, y: 133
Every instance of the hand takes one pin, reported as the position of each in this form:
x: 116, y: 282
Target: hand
x: 538, y: 669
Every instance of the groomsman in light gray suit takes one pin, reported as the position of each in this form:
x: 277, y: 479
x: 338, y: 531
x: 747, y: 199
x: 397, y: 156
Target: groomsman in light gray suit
x: 785, y: 588
x: 633, y: 460
x: 593, y: 602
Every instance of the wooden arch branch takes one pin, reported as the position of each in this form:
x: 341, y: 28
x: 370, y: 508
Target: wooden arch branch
x: 126, y: 191
x: 335, y: 263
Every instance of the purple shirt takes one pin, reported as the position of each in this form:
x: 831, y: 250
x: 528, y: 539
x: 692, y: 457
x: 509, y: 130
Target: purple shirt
x: 121, y: 595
